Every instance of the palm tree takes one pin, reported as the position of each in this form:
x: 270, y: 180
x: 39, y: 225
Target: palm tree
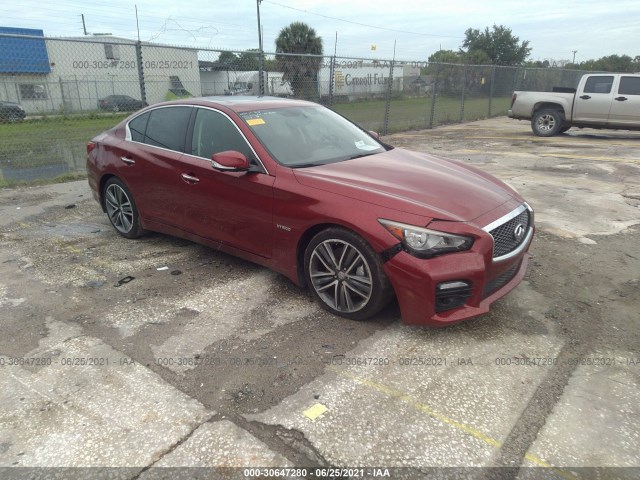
x: 301, y: 72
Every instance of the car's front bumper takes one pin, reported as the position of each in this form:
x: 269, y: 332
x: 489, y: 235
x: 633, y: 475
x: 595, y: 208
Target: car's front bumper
x: 415, y: 282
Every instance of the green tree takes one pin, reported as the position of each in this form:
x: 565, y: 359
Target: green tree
x: 498, y: 46
x: 300, y: 72
x: 228, y: 60
x: 249, y: 60
x: 446, y: 56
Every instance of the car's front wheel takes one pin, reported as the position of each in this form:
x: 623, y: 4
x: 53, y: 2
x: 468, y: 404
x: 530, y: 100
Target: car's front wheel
x: 121, y: 209
x: 345, y: 274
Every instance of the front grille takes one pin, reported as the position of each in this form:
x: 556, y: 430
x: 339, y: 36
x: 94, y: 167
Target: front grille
x: 500, y: 281
x: 504, y: 240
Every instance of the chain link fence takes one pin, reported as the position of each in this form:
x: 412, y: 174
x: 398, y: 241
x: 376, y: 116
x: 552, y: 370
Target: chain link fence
x: 58, y: 93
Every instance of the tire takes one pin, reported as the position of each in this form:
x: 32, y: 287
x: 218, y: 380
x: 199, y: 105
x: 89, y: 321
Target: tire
x: 547, y: 122
x: 14, y: 117
x: 121, y: 209
x: 115, y: 108
x: 345, y: 275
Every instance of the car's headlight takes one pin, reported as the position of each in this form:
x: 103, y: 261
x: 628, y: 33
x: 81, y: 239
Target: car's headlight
x: 425, y: 243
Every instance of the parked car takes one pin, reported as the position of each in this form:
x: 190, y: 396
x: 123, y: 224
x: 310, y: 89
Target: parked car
x: 11, y: 112
x: 120, y: 103
x: 298, y: 188
x: 603, y: 100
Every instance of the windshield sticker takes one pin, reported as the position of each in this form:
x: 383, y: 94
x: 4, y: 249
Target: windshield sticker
x: 363, y: 146
x: 255, y: 121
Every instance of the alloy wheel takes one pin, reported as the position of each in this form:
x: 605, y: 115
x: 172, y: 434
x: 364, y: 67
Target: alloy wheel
x: 340, y: 275
x: 119, y: 208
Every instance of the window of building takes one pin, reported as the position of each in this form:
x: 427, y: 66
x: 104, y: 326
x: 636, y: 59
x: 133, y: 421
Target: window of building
x: 112, y: 51
x: 33, y: 91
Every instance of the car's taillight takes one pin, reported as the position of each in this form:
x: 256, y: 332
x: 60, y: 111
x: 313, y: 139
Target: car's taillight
x: 90, y: 147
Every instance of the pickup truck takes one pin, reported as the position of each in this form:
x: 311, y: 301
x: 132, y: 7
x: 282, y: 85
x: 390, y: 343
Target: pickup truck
x: 603, y: 100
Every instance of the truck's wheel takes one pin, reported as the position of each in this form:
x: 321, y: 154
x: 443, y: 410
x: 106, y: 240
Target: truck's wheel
x: 546, y: 123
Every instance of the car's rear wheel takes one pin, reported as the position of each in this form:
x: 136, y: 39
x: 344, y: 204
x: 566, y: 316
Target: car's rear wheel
x: 345, y: 274
x: 14, y: 117
x: 547, y: 122
x: 121, y: 209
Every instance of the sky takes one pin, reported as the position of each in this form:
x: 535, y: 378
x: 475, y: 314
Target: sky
x: 418, y: 28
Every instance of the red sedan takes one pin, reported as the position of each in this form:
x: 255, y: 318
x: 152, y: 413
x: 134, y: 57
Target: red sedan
x: 295, y: 187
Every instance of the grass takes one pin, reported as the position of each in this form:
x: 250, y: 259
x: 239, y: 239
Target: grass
x: 66, y: 177
x: 414, y: 113
x: 52, y: 149
x: 48, y: 149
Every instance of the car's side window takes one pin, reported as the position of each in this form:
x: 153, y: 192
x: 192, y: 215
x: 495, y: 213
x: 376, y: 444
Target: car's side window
x: 598, y: 84
x: 138, y: 127
x: 167, y: 127
x: 629, y: 86
x: 214, y: 133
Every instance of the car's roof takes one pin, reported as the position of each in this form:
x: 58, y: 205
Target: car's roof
x: 242, y: 103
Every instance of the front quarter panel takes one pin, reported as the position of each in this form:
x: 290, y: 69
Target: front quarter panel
x: 300, y: 210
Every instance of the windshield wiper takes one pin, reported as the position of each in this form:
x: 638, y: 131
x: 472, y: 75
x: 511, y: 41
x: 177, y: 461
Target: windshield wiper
x: 360, y: 155
x: 303, y: 165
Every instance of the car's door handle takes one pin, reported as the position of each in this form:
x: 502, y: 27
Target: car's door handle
x: 620, y: 99
x: 189, y: 178
x: 128, y: 161
x: 585, y: 97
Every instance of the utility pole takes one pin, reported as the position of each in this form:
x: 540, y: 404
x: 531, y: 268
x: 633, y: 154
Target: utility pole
x: 574, y: 56
x: 260, y: 59
x: 84, y: 27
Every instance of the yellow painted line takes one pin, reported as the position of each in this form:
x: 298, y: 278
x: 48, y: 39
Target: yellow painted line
x: 418, y: 405
x: 68, y: 248
x: 315, y: 411
x: 557, y: 140
x: 553, y: 155
x: 588, y: 157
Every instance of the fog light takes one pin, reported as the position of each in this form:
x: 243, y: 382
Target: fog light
x: 452, y: 294
x: 450, y: 285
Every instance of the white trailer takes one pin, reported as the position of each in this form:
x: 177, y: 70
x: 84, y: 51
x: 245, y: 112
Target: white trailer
x: 247, y: 83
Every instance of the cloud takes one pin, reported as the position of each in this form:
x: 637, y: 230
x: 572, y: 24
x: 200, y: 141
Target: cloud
x: 592, y: 27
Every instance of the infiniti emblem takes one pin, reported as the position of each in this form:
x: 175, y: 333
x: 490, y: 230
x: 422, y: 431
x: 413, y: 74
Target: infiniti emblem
x: 518, y: 232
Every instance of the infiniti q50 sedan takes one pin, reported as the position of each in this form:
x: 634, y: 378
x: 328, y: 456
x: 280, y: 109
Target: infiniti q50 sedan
x: 295, y: 187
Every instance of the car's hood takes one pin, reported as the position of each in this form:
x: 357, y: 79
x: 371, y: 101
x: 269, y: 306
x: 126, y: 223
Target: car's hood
x: 412, y: 182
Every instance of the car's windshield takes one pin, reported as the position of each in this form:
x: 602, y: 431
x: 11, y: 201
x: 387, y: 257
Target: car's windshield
x: 307, y: 136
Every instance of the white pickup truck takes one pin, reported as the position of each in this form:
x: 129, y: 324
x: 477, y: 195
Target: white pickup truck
x: 600, y: 101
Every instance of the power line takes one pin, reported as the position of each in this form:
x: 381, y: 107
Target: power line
x: 360, y: 24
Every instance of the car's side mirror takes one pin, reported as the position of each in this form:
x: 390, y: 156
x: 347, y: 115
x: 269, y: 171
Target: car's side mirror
x: 374, y: 134
x: 230, y: 161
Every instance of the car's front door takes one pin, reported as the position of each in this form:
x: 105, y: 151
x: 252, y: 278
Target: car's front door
x: 232, y: 207
x: 593, y: 103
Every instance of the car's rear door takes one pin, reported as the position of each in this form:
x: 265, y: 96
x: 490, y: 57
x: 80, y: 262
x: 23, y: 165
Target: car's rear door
x: 625, y: 109
x: 150, y: 162
x: 232, y: 207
